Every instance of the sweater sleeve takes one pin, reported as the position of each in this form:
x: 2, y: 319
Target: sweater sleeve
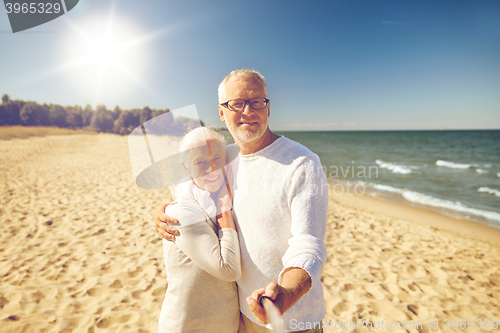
x: 218, y: 256
x: 308, y: 207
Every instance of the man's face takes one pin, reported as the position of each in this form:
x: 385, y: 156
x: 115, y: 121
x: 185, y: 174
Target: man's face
x: 248, y: 124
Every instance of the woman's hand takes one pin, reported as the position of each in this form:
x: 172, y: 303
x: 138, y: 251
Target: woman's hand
x: 225, y: 198
x: 225, y: 201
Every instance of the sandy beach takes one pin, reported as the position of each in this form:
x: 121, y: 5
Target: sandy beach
x: 79, y: 253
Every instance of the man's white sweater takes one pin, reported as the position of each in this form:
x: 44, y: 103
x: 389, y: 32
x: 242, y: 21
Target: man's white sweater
x: 280, y: 204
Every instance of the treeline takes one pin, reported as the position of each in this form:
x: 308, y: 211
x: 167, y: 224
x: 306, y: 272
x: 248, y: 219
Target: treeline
x: 18, y: 112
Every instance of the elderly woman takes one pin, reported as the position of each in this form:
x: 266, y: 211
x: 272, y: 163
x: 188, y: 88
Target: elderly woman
x: 204, y: 261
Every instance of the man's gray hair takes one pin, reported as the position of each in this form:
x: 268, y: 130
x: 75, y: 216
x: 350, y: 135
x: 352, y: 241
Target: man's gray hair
x: 197, y: 138
x: 237, y: 74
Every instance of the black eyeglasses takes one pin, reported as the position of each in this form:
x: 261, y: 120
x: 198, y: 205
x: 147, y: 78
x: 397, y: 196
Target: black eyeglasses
x: 239, y: 104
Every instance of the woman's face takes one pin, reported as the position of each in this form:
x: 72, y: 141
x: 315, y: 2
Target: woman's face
x: 205, y: 166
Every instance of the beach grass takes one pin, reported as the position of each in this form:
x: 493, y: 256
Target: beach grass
x: 24, y: 132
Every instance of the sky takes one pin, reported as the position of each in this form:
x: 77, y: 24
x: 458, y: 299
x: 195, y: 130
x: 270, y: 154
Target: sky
x: 329, y: 65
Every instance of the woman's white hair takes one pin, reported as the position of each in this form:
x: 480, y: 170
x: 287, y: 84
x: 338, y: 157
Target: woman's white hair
x: 237, y: 74
x: 198, y: 137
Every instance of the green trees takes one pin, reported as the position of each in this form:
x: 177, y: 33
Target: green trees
x: 58, y: 116
x: 74, y: 117
x: 160, y: 122
x: 102, y: 120
x: 34, y: 114
x: 127, y: 122
x: 87, y: 114
x: 145, y: 115
x: 3, y: 115
x: 116, y: 112
x: 9, y: 111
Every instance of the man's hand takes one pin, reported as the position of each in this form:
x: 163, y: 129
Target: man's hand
x: 274, y: 291
x: 161, y: 219
x: 295, y: 283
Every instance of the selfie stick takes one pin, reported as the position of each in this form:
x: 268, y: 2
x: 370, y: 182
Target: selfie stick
x: 273, y: 314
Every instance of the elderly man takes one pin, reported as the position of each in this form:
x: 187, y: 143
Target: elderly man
x: 280, y: 206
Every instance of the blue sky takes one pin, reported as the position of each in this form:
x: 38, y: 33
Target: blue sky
x: 330, y: 65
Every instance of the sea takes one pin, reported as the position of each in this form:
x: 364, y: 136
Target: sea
x: 454, y: 172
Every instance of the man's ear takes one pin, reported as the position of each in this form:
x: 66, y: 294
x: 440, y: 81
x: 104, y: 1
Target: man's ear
x: 221, y: 113
x: 268, y: 109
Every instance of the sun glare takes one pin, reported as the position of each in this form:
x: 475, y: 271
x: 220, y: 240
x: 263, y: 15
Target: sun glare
x: 104, y: 52
x: 106, y: 58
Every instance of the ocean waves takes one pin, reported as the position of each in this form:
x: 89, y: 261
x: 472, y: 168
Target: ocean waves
x: 463, y: 166
x: 396, y: 168
x: 454, y: 165
x: 445, y: 165
x: 441, y: 204
x: 388, y: 188
x: 489, y: 191
x: 407, y: 169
